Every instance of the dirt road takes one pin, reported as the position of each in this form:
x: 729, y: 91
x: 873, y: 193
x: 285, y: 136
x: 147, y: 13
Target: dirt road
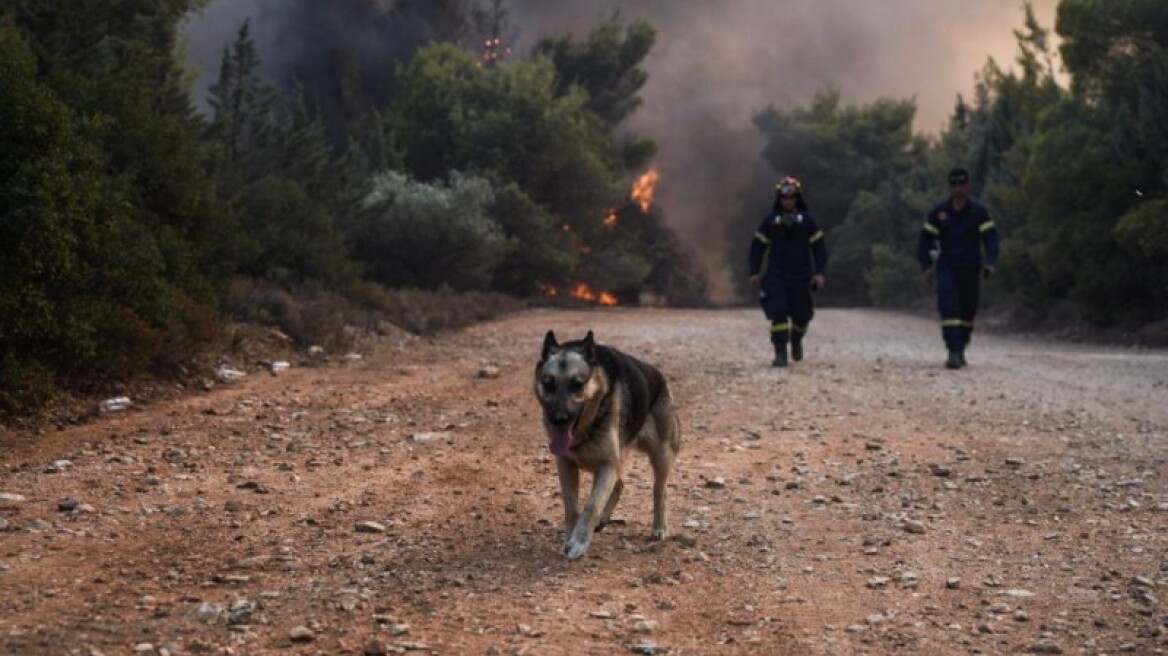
x: 864, y: 501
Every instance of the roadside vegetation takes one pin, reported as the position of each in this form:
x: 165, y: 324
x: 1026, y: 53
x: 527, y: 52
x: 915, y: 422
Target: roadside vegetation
x: 460, y: 181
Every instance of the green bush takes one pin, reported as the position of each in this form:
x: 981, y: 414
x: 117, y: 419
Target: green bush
x: 430, y: 235
x: 894, y: 279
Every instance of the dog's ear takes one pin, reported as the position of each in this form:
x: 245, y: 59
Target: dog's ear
x: 589, y: 345
x: 549, y: 343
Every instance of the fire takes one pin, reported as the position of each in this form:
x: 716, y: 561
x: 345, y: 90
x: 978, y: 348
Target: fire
x: 582, y: 291
x: 642, y: 191
x: 610, y: 219
x: 494, y: 51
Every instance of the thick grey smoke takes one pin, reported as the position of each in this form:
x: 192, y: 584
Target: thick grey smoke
x: 717, y: 63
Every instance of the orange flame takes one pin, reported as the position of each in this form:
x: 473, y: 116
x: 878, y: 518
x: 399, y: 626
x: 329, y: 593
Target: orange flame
x: 546, y: 289
x: 610, y: 218
x: 642, y: 191
x: 582, y: 291
x: 493, y: 51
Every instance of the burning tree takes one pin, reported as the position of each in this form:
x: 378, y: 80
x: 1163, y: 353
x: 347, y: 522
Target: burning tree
x: 637, y: 253
x: 642, y: 192
x: 491, y: 22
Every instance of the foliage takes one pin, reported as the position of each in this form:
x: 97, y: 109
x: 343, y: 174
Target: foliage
x: 517, y: 124
x: 110, y: 235
x: 1108, y: 46
x: 606, y: 66
x: 1075, y: 179
x: 893, y: 279
x: 506, y: 121
x: 289, y: 235
x: 311, y: 314
x: 425, y: 312
x: 391, y: 155
x: 429, y: 235
x: 124, y: 213
x: 845, y: 157
x: 539, y: 252
x: 290, y: 191
x: 1088, y: 172
x: 676, y: 275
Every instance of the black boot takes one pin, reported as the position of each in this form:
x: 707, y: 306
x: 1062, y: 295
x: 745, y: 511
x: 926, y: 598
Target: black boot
x: 796, y: 348
x: 780, y: 354
x: 961, y: 357
x: 954, y: 361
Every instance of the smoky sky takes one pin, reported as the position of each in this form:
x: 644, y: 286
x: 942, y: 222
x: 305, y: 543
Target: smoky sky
x: 715, y: 64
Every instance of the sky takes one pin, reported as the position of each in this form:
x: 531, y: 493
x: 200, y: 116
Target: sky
x: 718, y: 62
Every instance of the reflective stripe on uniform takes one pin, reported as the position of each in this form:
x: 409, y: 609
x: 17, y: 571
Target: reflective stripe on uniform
x: 816, y: 237
x: 761, y: 237
x: 988, y: 225
x: 956, y: 323
x: 797, y: 328
x: 780, y: 327
x: 931, y: 229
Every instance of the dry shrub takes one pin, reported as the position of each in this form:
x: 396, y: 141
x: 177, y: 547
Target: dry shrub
x: 373, y: 299
x: 311, y: 314
x: 429, y: 312
x: 255, y: 301
x: 125, y: 346
x: 308, y: 313
x: 30, y: 386
x: 193, y: 328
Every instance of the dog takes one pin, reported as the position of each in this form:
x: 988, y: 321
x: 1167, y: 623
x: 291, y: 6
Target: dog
x: 598, y: 405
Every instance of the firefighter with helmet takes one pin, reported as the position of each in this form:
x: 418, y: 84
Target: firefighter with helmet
x: 790, y: 244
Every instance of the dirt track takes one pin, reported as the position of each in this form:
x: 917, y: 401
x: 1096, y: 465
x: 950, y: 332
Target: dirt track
x: 873, y: 503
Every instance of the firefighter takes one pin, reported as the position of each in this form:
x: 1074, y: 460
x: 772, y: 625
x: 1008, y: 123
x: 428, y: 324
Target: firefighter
x: 950, y: 251
x: 796, y: 256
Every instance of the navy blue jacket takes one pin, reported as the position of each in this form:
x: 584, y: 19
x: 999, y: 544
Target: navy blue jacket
x: 960, y: 235
x: 796, y: 247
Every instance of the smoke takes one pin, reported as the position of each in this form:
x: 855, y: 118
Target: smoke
x: 339, y: 55
x: 207, y: 32
x: 715, y: 64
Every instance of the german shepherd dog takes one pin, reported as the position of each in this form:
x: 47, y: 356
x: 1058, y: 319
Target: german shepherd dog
x: 598, y: 404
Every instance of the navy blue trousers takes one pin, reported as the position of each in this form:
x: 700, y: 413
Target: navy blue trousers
x: 788, y: 306
x: 957, y: 298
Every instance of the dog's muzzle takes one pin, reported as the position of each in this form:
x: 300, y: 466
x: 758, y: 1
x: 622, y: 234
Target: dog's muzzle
x: 560, y: 419
x: 560, y: 429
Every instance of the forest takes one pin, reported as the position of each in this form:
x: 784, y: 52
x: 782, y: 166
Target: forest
x: 136, y: 231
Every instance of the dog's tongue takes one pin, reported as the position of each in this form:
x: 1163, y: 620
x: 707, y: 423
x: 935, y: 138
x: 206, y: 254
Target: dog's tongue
x: 561, y: 442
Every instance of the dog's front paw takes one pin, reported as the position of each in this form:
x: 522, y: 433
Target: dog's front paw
x: 574, y: 548
x: 659, y: 533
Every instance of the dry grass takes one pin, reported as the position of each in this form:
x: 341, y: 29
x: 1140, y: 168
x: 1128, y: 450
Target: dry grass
x: 312, y: 315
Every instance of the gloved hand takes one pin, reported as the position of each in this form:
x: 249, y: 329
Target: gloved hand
x: 817, y: 282
x: 987, y: 271
x: 755, y: 281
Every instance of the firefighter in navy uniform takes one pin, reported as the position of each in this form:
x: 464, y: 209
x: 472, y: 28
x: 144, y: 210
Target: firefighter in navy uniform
x: 796, y: 256
x: 950, y: 253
